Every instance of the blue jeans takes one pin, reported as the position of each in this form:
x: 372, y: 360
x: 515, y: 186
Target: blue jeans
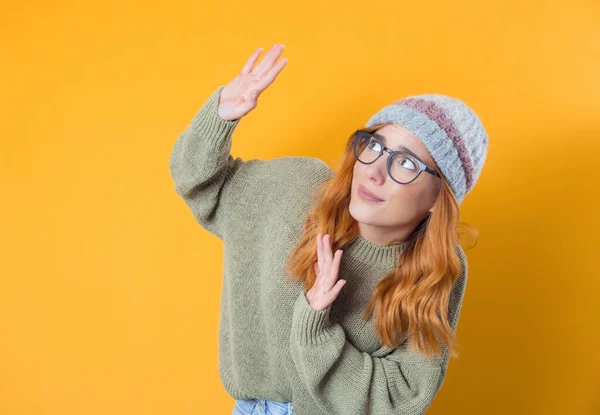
x: 262, y: 407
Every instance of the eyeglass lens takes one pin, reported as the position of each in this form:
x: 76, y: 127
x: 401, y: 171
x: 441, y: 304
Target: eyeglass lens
x: 403, y: 168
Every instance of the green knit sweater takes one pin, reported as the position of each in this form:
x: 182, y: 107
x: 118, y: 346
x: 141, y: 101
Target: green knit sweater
x: 272, y: 344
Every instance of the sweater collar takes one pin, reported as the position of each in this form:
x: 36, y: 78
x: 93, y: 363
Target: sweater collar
x: 372, y: 254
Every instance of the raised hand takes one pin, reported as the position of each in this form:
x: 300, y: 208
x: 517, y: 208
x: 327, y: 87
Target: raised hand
x: 240, y: 96
x: 326, y: 287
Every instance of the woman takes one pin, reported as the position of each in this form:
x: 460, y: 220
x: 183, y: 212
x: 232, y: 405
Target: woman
x: 341, y: 291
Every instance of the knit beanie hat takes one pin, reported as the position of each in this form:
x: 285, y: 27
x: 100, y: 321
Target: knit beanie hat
x: 451, y: 131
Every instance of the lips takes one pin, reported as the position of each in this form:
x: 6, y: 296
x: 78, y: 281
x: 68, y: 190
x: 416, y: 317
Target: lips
x: 366, y: 192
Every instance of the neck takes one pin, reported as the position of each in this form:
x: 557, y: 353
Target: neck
x: 373, y: 254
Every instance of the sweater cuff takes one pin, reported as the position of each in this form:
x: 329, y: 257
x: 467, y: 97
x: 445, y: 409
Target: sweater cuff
x: 310, y: 326
x: 208, y: 123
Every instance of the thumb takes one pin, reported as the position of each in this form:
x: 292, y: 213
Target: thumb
x: 337, y: 288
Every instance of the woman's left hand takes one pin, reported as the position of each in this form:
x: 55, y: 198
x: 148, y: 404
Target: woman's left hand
x: 326, y: 287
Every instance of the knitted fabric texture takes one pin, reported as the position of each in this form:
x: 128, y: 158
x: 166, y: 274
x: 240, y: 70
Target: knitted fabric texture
x: 272, y: 344
x: 450, y: 130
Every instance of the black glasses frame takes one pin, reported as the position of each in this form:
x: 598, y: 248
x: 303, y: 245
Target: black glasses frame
x: 422, y: 166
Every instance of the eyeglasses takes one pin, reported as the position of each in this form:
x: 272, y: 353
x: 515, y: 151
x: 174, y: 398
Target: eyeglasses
x: 402, y: 167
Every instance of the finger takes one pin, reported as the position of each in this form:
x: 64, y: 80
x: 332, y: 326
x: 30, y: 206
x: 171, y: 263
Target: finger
x: 270, y: 76
x: 320, y: 251
x: 252, y: 99
x: 332, y: 274
x: 261, y: 64
x: 251, y: 61
x: 335, y: 267
x: 333, y: 293
x: 267, y: 62
x: 327, y: 252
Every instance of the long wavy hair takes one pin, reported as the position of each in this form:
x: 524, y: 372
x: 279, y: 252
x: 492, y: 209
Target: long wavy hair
x: 413, y: 299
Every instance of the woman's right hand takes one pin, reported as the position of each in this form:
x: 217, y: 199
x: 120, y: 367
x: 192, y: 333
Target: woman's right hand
x: 240, y: 96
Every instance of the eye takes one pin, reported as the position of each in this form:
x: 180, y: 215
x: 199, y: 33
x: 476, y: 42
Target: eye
x: 374, y: 145
x: 405, y: 162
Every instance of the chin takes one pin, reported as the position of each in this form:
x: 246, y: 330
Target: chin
x: 362, y: 212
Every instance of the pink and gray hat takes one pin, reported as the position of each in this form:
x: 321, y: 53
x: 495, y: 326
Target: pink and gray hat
x: 450, y: 130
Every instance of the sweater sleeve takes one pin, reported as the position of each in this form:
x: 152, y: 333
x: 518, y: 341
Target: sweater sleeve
x: 202, y: 168
x: 343, y: 380
x: 227, y: 194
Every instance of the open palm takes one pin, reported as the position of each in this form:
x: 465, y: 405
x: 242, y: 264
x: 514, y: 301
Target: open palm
x: 240, y: 95
x: 326, y: 287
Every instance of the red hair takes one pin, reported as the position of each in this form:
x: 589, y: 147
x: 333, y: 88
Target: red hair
x: 413, y: 299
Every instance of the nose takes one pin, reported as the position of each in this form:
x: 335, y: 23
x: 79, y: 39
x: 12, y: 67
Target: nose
x: 378, y: 167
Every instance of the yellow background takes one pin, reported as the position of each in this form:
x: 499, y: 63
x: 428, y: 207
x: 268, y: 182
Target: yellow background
x: 109, y: 290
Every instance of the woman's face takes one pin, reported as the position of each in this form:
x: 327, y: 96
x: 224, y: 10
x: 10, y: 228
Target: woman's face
x: 404, y: 206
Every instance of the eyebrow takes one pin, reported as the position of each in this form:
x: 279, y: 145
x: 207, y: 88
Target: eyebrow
x: 400, y: 148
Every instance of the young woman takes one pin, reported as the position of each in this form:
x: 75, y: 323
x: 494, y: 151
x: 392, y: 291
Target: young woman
x: 341, y: 290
